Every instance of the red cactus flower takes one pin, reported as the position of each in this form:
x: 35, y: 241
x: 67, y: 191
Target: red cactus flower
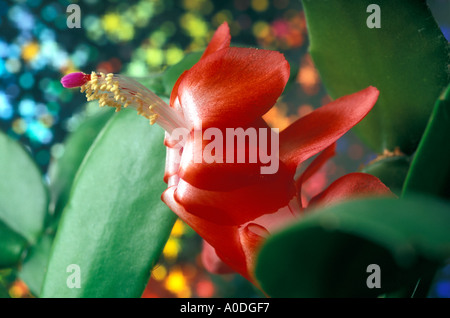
x: 234, y: 207
x: 230, y: 203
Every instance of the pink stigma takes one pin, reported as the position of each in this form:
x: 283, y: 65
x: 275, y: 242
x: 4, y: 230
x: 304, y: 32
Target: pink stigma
x: 76, y: 79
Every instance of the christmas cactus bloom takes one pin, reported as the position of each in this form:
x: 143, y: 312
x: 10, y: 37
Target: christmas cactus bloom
x: 234, y: 204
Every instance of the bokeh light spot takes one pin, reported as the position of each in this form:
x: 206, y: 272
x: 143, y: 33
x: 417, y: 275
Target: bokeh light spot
x: 159, y: 272
x: 171, y: 249
x: 260, y: 5
x: 30, y: 51
x: 176, y: 283
x: 6, y: 110
x: 205, y: 288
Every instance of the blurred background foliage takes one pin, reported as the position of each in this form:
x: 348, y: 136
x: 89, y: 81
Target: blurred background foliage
x: 141, y: 39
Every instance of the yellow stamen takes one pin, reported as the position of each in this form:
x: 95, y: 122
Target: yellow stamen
x: 153, y: 119
x: 120, y: 92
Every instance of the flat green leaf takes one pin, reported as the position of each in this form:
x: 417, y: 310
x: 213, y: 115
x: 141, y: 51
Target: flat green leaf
x: 115, y: 225
x: 328, y: 252
x: 23, y: 200
x: 34, y: 266
x: 391, y: 171
x: 62, y: 171
x: 406, y: 58
x: 430, y: 168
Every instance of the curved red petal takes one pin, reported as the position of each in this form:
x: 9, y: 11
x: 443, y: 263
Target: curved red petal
x: 237, y: 206
x: 174, y: 93
x: 280, y: 219
x: 212, y: 262
x: 313, y: 167
x: 317, y: 163
x: 252, y: 236
x: 171, y: 167
x: 351, y: 186
x: 232, y: 87
x: 224, y: 238
x: 220, y: 40
x: 217, y: 173
x: 311, y: 134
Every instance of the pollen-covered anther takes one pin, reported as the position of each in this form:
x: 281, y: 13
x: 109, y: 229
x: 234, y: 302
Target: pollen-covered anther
x: 119, y: 91
x: 88, y: 92
x: 94, y: 77
x: 140, y: 108
x: 153, y: 119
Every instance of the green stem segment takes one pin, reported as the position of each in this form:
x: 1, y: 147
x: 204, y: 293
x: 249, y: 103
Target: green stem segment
x: 430, y: 168
x: 406, y: 58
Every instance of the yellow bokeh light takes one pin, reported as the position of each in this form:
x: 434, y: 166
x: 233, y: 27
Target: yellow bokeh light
x: 308, y: 77
x: 178, y: 228
x: 277, y: 117
x: 203, y: 6
x: 117, y: 27
x: 176, y: 283
x: 30, y: 51
x: 171, y: 249
x: 174, y: 55
x: 195, y: 26
x: 126, y: 31
x: 222, y: 16
x: 18, y: 289
x: 154, y: 57
x: 261, y: 29
x: 159, y: 272
x: 193, y: 4
x: 260, y: 5
x: 111, y: 22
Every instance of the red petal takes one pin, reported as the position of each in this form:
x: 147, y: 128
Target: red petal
x: 171, y: 168
x: 313, y: 167
x: 220, y: 40
x: 226, y: 175
x: 283, y: 217
x: 212, y: 262
x: 317, y: 163
x: 311, y: 134
x: 252, y: 236
x: 232, y: 87
x: 237, y: 206
x: 174, y: 93
x: 225, y: 239
x: 232, y: 193
x: 351, y: 186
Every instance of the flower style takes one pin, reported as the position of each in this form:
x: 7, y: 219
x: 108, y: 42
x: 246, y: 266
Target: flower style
x: 232, y: 206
